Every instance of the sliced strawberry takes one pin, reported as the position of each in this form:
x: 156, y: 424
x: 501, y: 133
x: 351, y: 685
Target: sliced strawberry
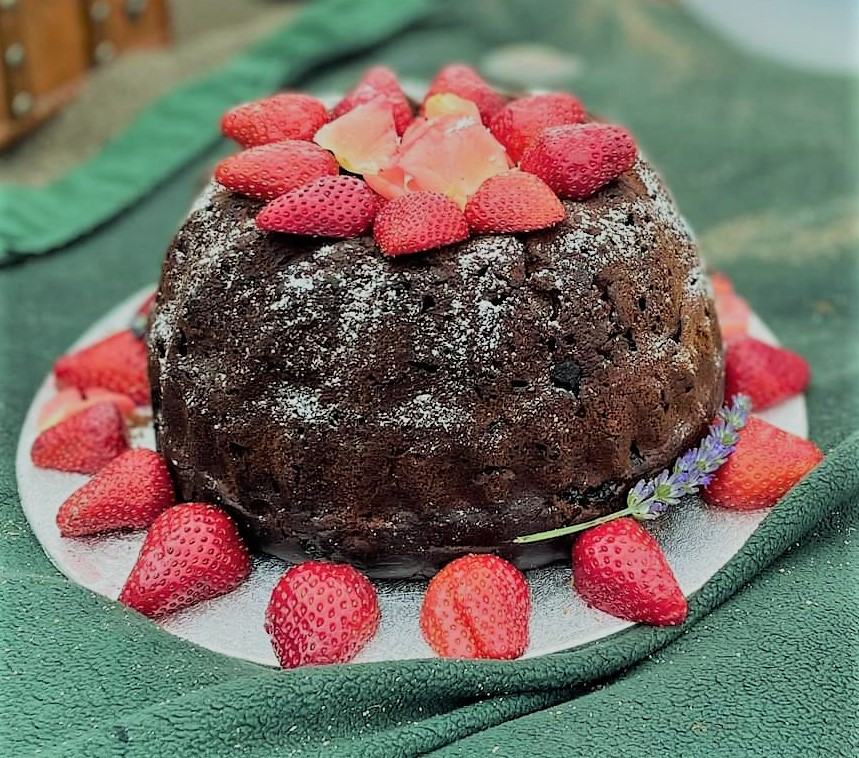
x: 766, y: 463
x: 128, y: 493
x: 618, y: 568
x: 379, y: 81
x: 192, y: 552
x: 722, y: 284
x: 72, y: 400
x: 452, y: 155
x: 321, y: 613
x: 289, y: 115
x: 769, y: 375
x: 268, y: 171
x: 576, y: 160
x: 448, y: 104
x: 478, y: 606
x: 732, y: 315
x: 419, y: 221
x: 462, y: 80
x: 334, y: 206
x: 116, y: 363
x: 513, y: 202
x: 82, y: 443
x: 364, y: 139
x: 520, y: 122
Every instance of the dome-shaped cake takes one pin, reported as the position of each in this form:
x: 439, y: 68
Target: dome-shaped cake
x: 395, y: 413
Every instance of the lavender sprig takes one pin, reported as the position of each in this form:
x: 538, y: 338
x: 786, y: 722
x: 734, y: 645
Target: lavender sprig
x: 650, y: 498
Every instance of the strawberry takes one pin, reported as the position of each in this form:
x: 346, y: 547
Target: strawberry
x: 513, y: 202
x: 732, y: 315
x: 477, y: 606
x: 128, y: 493
x: 577, y: 159
x: 419, y: 221
x: 519, y: 123
x: 462, y: 80
x: 321, y: 613
x: 71, y: 400
x: 267, y: 171
x: 288, y: 115
x: 769, y: 375
x: 116, y: 363
x: 84, y: 442
x: 378, y: 81
x: 722, y: 284
x: 620, y: 569
x: 765, y: 464
x: 333, y: 206
x: 192, y: 552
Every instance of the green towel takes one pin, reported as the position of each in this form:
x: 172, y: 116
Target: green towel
x: 761, y: 160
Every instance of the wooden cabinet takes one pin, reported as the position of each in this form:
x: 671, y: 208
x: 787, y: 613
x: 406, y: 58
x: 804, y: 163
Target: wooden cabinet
x: 47, y: 46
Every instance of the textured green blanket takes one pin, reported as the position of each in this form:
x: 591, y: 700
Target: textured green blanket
x: 761, y: 159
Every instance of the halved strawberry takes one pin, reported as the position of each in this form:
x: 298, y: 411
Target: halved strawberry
x: 769, y: 375
x: 419, y: 221
x: 288, y: 115
x: 379, y: 81
x: 520, y: 122
x: 765, y: 464
x: 577, y: 159
x: 128, y: 493
x: 82, y: 443
x: 477, y: 606
x: 72, y: 400
x: 364, y: 139
x: 462, y: 80
x: 513, y: 202
x: 333, y: 206
x: 192, y: 552
x: 619, y: 568
x: 732, y: 315
x: 116, y: 363
x: 268, y: 171
x: 321, y: 613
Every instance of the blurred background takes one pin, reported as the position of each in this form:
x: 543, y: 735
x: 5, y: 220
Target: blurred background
x: 77, y: 71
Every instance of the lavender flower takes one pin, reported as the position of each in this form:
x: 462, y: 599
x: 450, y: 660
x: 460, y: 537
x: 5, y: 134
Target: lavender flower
x: 650, y: 498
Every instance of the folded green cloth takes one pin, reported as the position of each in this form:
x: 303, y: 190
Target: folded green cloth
x: 760, y: 158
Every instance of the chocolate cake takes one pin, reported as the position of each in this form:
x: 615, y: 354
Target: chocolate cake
x: 395, y: 413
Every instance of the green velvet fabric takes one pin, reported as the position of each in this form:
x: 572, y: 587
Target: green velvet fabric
x: 761, y: 160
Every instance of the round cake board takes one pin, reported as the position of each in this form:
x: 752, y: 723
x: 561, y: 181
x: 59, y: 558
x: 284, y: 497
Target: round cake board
x: 698, y: 540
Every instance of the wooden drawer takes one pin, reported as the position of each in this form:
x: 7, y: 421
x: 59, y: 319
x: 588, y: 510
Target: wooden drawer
x: 46, y: 47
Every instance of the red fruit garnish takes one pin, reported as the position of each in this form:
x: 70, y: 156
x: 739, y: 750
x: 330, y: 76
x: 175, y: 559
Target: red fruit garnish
x: 722, y: 285
x: 513, y: 202
x: 321, y: 613
x: 128, y: 493
x: 72, y: 400
x: 364, y: 139
x: 520, y: 122
x: 378, y: 81
x: 268, y: 171
x: 620, y: 569
x: 82, y: 443
x: 289, y: 115
x: 477, y: 606
x: 462, y: 80
x: 116, y: 363
x: 576, y: 160
x: 333, y: 206
x: 419, y: 221
x: 732, y: 315
x: 146, y: 305
x: 191, y: 553
x: 769, y: 375
x: 452, y: 155
x: 765, y: 464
